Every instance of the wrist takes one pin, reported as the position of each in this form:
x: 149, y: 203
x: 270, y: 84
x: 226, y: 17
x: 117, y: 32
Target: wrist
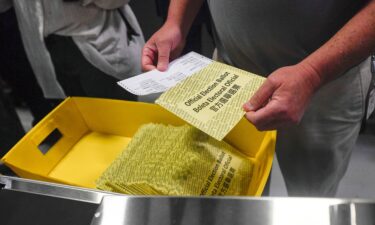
x: 312, y: 74
x: 176, y: 26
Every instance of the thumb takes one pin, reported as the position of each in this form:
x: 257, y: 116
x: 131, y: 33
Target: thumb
x: 261, y: 96
x: 164, y: 50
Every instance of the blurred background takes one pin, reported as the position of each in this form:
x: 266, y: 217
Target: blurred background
x: 359, y: 181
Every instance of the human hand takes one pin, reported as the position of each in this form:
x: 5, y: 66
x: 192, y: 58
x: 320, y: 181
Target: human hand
x: 283, y: 98
x: 165, y: 45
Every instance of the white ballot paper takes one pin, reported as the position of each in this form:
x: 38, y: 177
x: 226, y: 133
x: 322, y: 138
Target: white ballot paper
x: 155, y: 81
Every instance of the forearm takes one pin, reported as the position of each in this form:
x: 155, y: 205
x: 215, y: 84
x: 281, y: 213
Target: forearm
x: 349, y: 46
x: 182, y: 13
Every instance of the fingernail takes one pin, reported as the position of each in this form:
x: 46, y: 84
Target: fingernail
x: 248, y: 106
x: 162, y: 67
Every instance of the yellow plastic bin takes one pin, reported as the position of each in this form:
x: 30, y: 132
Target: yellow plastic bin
x: 81, y: 137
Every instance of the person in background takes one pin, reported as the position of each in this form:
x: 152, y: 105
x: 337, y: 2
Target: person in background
x: 17, y: 80
x: 11, y: 129
x: 315, y: 55
x: 194, y: 37
x: 81, y: 47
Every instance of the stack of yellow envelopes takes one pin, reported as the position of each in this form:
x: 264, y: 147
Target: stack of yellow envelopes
x: 169, y: 160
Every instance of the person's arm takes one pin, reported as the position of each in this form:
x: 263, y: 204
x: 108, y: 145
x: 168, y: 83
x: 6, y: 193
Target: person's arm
x: 31, y: 18
x: 283, y: 97
x: 167, y: 43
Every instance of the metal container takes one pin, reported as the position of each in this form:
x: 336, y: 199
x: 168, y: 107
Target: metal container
x: 25, y: 201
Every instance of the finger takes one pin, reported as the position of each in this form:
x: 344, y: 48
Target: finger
x: 164, y: 50
x: 261, y: 96
x: 266, y: 117
x: 148, y: 67
x: 272, y: 124
x: 148, y: 57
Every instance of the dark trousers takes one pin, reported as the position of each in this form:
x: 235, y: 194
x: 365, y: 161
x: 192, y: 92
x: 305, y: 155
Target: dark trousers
x: 77, y: 76
x: 10, y: 126
x: 16, y: 71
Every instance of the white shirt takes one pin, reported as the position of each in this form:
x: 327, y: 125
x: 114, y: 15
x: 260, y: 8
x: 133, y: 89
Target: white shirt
x: 97, y: 28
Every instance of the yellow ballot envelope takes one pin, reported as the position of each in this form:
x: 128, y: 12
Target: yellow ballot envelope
x: 212, y: 98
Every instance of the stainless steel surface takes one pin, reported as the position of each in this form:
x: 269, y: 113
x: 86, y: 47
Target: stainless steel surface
x: 22, y: 208
x: 53, y: 189
x: 218, y: 211
x: 116, y: 209
x: 341, y: 214
x: 353, y: 214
